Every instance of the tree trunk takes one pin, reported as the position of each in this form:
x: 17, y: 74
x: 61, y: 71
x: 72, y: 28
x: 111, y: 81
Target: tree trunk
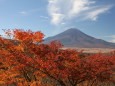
x: 61, y: 83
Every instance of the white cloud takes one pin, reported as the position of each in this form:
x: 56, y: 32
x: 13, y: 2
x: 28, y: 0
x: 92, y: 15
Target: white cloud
x: 23, y: 12
x: 63, y: 23
x: 53, y: 10
x: 78, y: 6
x: 45, y: 17
x: 112, y: 37
x: 93, y: 15
x: 113, y: 40
x: 61, y: 10
x: 57, y: 18
x: 28, y: 12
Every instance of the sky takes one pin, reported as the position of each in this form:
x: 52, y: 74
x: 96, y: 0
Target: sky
x: 93, y: 17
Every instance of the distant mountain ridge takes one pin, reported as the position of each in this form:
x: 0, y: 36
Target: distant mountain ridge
x: 75, y: 38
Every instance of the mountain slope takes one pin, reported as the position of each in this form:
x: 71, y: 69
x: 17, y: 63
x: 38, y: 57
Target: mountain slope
x: 75, y: 38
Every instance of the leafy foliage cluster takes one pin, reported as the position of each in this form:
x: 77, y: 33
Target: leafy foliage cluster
x: 26, y: 61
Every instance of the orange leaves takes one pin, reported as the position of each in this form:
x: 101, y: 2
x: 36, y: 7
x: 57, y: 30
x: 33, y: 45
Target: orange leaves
x: 26, y: 63
x: 37, y: 37
x: 29, y: 36
x: 19, y: 47
x: 20, y: 84
x: 2, y: 82
x: 7, y: 77
x: 35, y: 83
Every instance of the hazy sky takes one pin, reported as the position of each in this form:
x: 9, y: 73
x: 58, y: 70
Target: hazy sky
x: 93, y: 17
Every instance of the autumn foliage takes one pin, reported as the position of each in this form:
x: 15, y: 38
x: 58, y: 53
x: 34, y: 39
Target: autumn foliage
x: 26, y: 61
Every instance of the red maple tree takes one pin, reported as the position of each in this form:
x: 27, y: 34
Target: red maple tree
x: 25, y: 61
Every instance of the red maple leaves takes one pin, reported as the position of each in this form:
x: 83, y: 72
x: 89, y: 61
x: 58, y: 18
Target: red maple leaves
x: 23, y: 62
